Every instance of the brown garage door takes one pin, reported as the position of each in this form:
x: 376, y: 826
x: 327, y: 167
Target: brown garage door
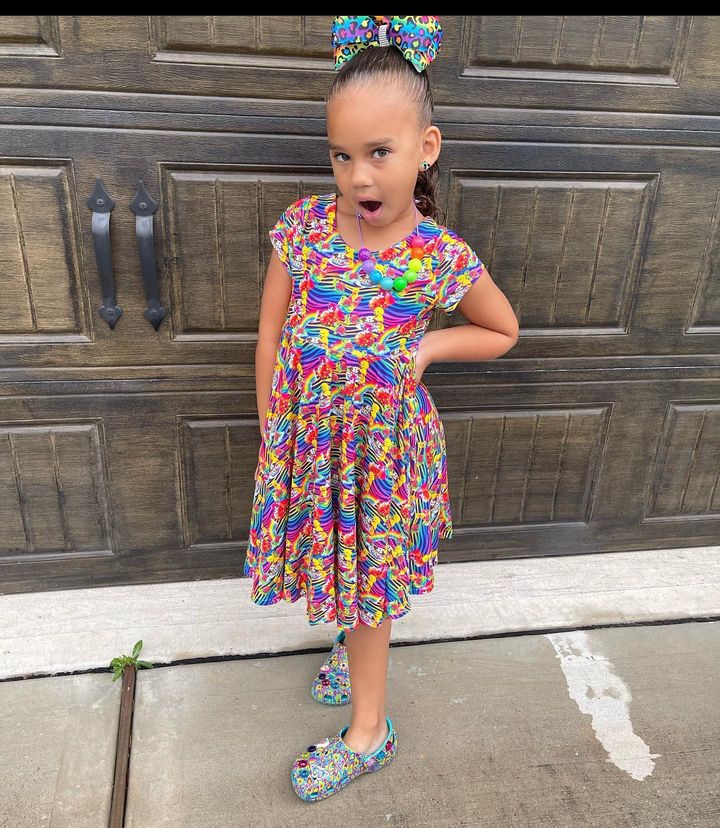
x: 579, y: 160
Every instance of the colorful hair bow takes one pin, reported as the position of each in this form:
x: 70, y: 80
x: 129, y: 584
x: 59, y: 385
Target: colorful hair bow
x: 418, y: 38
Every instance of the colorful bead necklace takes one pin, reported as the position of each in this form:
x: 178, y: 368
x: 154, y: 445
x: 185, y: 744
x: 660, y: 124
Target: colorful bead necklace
x: 368, y: 261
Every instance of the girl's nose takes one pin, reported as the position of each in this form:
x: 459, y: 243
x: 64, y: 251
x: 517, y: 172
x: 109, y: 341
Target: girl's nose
x: 360, y: 177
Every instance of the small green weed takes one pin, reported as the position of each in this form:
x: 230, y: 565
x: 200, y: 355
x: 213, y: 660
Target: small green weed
x: 118, y: 664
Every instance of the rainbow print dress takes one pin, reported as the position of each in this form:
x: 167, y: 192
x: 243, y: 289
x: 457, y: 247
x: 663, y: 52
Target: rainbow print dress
x: 351, y: 488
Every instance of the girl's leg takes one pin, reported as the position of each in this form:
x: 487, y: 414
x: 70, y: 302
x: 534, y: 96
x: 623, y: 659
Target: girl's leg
x: 368, y: 651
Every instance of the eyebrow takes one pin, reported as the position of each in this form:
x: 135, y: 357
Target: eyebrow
x: 369, y: 143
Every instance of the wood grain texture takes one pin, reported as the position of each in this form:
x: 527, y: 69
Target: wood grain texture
x: 579, y: 159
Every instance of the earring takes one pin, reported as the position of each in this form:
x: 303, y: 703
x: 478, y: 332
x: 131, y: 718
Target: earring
x: 424, y: 165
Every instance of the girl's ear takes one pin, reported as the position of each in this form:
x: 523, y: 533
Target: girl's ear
x: 432, y: 141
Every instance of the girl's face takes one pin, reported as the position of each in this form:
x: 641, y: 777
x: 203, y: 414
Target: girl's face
x: 376, y: 150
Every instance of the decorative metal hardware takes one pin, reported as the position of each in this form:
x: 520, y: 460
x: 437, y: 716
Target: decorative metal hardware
x: 144, y: 206
x: 101, y: 204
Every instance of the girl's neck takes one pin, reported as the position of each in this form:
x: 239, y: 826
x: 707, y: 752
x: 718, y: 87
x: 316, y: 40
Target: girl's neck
x: 372, y: 238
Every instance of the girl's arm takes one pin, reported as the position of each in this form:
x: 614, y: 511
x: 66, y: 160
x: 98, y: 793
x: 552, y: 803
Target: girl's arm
x: 493, y: 330
x: 273, y: 312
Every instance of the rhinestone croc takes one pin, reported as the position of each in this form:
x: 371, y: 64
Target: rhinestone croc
x: 332, y: 684
x: 323, y: 769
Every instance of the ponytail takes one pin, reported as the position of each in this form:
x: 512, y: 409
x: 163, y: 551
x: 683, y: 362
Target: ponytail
x: 425, y: 194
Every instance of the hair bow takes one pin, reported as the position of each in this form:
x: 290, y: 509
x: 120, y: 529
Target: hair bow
x: 418, y: 38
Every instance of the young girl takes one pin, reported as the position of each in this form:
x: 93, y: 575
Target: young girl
x: 351, y: 490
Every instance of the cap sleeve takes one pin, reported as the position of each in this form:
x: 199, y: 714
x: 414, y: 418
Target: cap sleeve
x: 286, y: 236
x: 460, y: 267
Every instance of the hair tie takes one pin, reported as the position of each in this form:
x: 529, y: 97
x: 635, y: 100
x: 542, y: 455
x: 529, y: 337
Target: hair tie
x: 418, y: 37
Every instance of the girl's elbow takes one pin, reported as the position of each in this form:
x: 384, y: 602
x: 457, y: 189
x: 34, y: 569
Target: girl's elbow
x: 512, y: 339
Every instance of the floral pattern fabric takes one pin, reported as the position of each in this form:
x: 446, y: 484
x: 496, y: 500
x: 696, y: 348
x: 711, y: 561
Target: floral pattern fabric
x: 351, y: 490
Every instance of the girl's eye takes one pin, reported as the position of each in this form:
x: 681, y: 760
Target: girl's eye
x: 381, y: 149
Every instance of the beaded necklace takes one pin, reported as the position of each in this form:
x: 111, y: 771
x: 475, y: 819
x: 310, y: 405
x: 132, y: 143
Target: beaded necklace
x: 399, y: 283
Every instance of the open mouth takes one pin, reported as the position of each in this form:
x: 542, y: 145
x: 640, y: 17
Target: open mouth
x: 370, y: 208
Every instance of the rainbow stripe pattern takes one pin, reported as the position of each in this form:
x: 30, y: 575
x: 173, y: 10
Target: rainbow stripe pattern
x: 351, y: 491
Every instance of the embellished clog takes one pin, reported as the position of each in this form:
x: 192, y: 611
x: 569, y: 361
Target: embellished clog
x: 323, y: 769
x: 332, y: 684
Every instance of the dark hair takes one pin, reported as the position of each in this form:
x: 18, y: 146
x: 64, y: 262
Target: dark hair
x: 388, y: 65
